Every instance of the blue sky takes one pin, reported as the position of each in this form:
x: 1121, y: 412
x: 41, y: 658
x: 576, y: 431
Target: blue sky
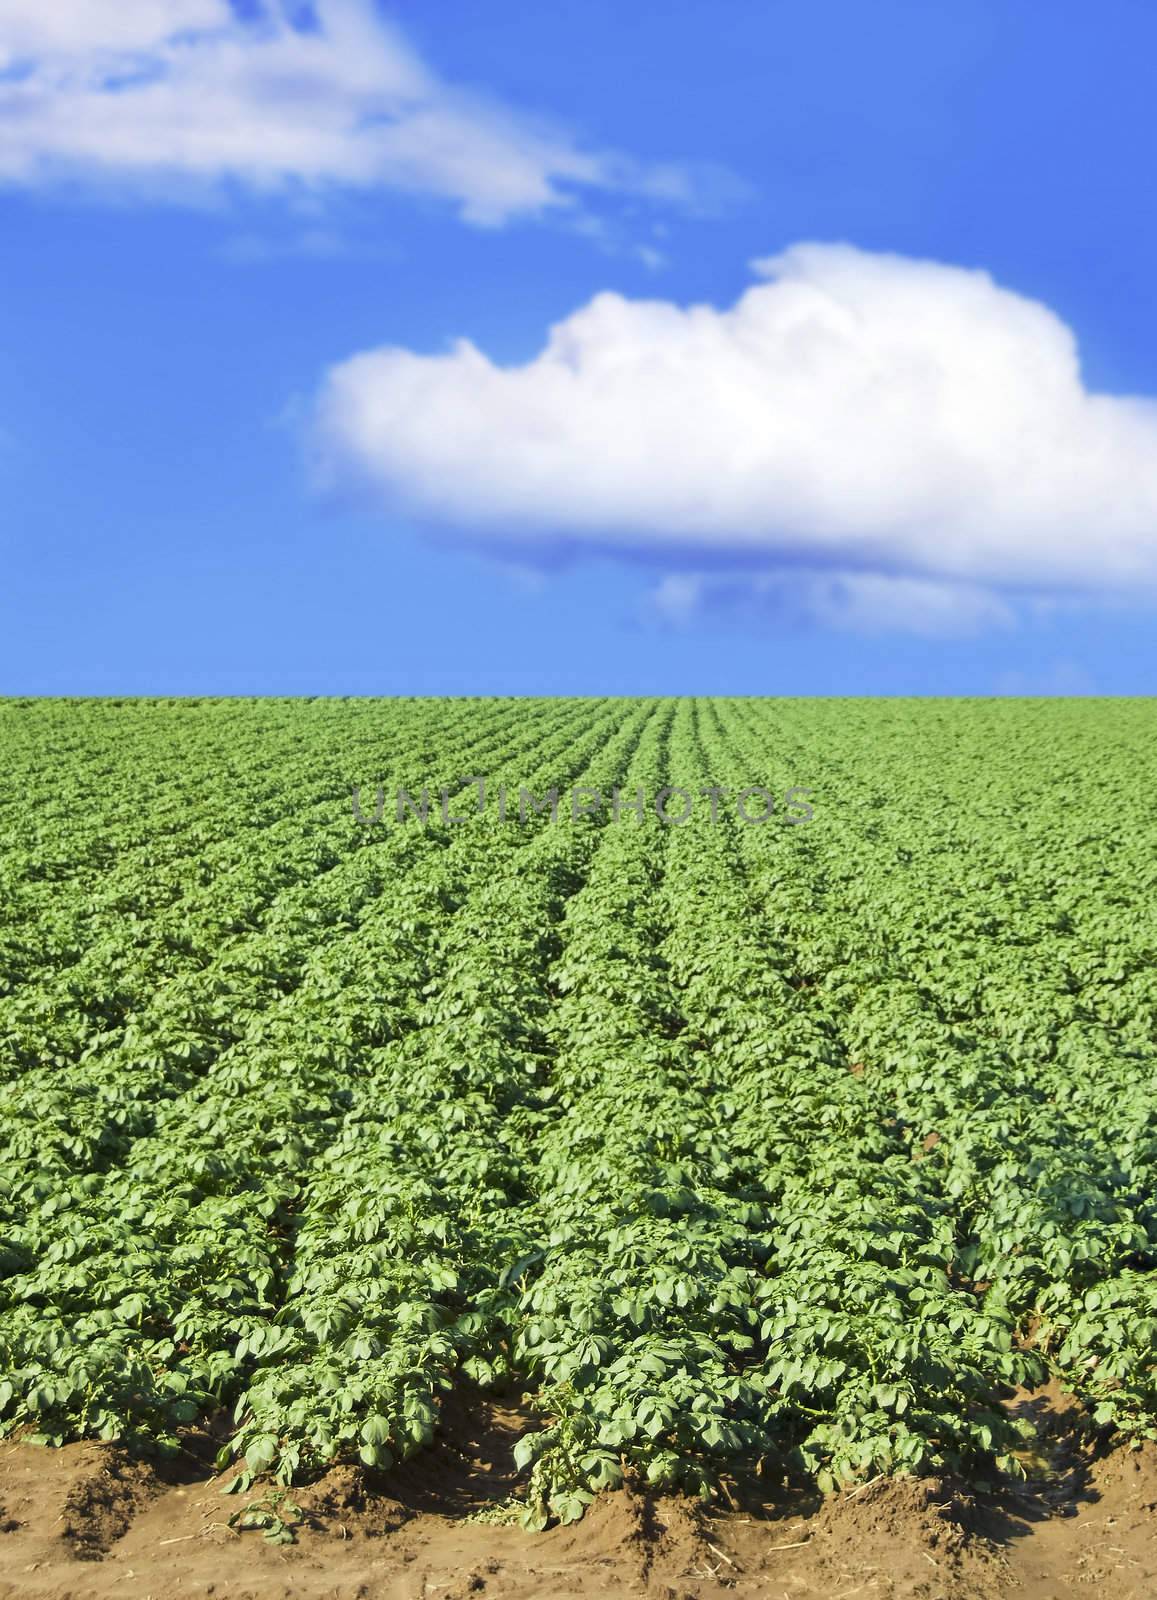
x: 241, y: 451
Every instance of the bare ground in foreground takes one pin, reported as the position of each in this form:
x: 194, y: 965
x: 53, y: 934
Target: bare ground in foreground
x: 86, y: 1521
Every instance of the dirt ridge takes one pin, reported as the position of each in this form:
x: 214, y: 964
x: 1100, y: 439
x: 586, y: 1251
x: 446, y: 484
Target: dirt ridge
x: 87, y: 1521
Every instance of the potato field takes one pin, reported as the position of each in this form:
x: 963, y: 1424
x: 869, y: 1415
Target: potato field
x: 775, y: 1141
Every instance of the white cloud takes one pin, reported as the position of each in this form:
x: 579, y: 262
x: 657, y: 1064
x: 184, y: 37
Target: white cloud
x: 72, y: 26
x: 179, y: 90
x: 866, y: 415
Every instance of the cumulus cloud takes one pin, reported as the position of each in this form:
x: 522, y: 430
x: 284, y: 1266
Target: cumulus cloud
x: 869, y: 416
x: 193, y: 91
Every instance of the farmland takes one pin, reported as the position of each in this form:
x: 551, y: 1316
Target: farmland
x: 746, y: 1152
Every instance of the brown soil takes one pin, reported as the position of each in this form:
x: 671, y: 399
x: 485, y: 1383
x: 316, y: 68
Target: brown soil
x: 86, y: 1522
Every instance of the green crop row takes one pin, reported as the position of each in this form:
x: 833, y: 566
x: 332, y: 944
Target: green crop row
x: 736, y: 1148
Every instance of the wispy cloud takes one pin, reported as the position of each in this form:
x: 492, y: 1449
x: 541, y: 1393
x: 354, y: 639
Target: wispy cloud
x: 253, y: 248
x: 180, y: 93
x: 851, y: 602
x: 1061, y: 676
x: 914, y: 432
